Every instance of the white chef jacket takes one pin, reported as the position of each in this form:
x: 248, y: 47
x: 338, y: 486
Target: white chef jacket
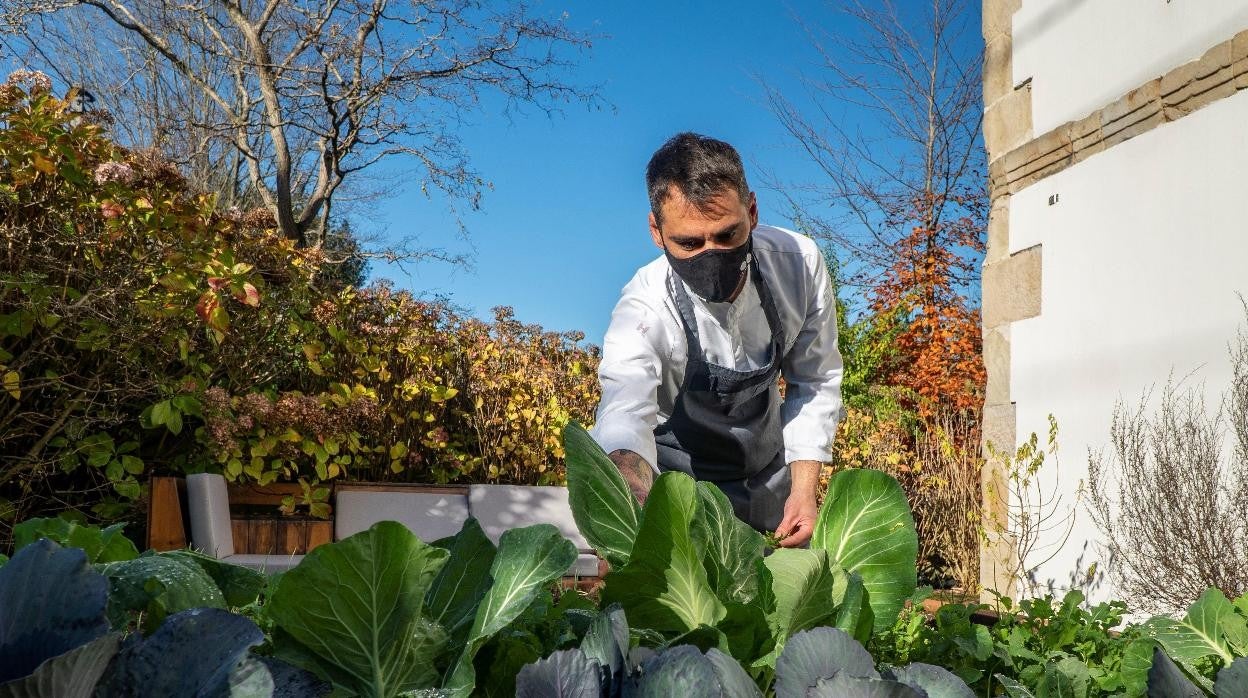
x: 644, y: 352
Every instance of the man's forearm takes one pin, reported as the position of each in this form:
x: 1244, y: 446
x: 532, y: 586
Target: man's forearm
x: 636, y: 471
x: 805, y: 478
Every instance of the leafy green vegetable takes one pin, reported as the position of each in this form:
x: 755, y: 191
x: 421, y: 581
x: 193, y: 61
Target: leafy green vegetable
x: 350, y: 612
x: 1137, y: 659
x: 602, y: 505
x: 606, y: 642
x: 1186, y: 651
x: 731, y: 550
x: 528, y: 560
x: 1205, y: 632
x: 820, y: 653
x: 933, y: 681
x: 828, y: 662
x: 194, y: 652
x: 239, y: 585
x: 462, y: 582
x: 545, y: 626
x: 51, y: 601
x: 866, y: 527
x: 686, y: 671
x: 845, y: 686
x: 563, y: 673
x: 70, y: 675
x: 604, y: 666
x: 1233, y: 680
x: 853, y: 613
x: 803, y: 585
x: 156, y: 585
x: 100, y: 544
x: 664, y: 585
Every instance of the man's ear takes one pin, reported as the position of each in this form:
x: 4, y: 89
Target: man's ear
x: 753, y: 211
x: 655, y: 234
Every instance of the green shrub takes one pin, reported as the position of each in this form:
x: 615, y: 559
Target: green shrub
x: 142, y: 330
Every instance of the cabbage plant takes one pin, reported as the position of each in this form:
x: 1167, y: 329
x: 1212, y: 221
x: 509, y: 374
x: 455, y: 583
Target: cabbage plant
x: 684, y: 567
x: 606, y: 665
x: 56, y: 640
x: 1214, y: 631
x: 382, y: 613
x: 819, y: 662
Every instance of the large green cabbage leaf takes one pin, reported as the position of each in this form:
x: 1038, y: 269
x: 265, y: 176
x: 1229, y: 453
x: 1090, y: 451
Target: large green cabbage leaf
x: 351, y: 612
x: 461, y: 583
x: 156, y: 585
x: 602, y: 505
x: 731, y: 550
x: 664, y: 586
x: 528, y: 560
x: 804, y: 585
x: 866, y: 527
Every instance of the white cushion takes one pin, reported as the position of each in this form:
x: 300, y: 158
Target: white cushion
x: 503, y: 507
x: 429, y: 515
x: 209, y: 505
x: 266, y: 563
x: 586, y: 565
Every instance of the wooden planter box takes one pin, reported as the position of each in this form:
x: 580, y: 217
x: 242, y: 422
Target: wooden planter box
x: 258, y: 527
x: 432, y: 511
x: 267, y: 535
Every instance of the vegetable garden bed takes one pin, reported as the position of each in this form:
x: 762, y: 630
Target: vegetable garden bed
x: 691, y: 607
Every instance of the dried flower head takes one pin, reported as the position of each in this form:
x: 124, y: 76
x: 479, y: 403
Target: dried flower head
x: 259, y: 218
x: 324, y: 312
x: 151, y: 166
x: 107, y: 172
x: 34, y: 81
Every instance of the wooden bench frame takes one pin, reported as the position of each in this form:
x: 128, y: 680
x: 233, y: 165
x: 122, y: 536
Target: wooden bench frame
x: 168, y: 518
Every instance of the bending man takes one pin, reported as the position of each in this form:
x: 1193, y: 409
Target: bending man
x: 701, y: 337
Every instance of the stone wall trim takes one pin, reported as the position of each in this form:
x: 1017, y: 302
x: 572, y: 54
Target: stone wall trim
x: 1011, y: 288
x: 1219, y: 73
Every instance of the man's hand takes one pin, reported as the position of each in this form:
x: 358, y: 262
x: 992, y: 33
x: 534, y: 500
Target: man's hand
x: 800, y: 509
x: 636, y: 471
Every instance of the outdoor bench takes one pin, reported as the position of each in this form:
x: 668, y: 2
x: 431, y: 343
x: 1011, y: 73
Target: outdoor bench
x: 429, y: 512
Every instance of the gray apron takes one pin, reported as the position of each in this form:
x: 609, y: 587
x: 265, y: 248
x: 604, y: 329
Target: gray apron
x: 725, y: 427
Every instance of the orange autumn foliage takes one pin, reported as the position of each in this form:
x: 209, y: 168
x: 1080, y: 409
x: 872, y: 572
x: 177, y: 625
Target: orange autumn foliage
x: 938, y: 353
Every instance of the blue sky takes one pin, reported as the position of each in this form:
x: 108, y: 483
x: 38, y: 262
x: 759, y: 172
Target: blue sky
x: 564, y: 227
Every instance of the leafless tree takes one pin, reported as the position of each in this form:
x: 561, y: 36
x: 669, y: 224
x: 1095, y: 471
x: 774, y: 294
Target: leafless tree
x: 148, y: 104
x: 1173, y: 510
x: 286, y: 103
x: 892, y: 121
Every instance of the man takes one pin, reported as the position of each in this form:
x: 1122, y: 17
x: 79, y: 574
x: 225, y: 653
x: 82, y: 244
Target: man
x: 701, y: 336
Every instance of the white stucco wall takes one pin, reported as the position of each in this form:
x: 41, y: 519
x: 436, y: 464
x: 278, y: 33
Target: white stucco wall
x: 1084, y: 54
x: 1142, y: 257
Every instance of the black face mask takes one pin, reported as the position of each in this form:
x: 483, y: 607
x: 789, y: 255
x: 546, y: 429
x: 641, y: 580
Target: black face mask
x: 713, y: 274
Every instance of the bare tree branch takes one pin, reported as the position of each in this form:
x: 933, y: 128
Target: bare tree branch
x: 909, y: 155
x: 283, y: 103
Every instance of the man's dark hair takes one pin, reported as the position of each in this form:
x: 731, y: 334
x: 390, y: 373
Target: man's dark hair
x: 700, y: 167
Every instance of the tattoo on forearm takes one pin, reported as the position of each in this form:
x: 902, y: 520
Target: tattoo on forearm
x: 636, y: 471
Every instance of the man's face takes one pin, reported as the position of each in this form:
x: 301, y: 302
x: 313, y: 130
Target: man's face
x: 687, y: 230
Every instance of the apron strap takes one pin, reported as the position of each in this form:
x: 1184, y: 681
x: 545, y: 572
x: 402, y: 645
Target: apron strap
x: 768, y: 302
x: 684, y: 306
